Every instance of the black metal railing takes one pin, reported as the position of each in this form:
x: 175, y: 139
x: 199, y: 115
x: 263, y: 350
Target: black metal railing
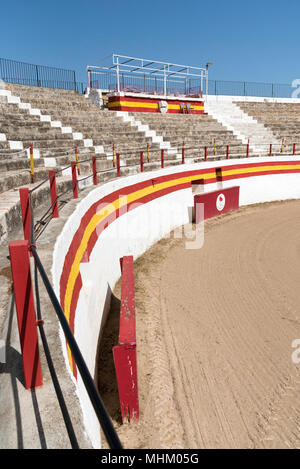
x: 22, y: 73
x: 96, y: 401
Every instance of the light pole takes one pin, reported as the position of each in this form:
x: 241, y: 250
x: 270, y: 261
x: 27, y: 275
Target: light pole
x: 208, y: 64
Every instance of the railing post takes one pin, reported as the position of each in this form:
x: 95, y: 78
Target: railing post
x: 118, y: 165
x: 114, y: 156
x: 148, y: 153
x: 247, y: 152
x: 182, y: 153
x: 214, y: 146
x: 162, y: 158
x: 23, y: 293
x: 26, y: 212
x: 205, y: 153
x: 77, y: 160
x: 31, y: 164
x: 142, y: 162
x: 227, y: 152
x: 271, y: 152
x: 53, y: 192
x: 74, y: 180
x: 294, y: 149
x: 94, y: 164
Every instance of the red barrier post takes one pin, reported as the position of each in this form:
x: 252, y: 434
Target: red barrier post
x: 162, y: 158
x: 26, y: 212
x: 94, y: 164
x: 31, y: 164
x: 53, y: 192
x: 205, y: 153
x: 227, y: 152
x: 294, y: 149
x: 182, y: 153
x: 271, y: 152
x: 125, y: 352
x: 247, y: 152
x: 118, y: 165
x: 142, y: 162
x: 74, y: 180
x: 23, y: 293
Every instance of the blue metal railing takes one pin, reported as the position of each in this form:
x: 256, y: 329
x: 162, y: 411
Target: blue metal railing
x: 22, y: 73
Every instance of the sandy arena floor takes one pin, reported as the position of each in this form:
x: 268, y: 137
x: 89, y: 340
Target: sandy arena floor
x: 215, y: 328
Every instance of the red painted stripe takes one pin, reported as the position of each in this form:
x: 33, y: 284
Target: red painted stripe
x: 127, y: 190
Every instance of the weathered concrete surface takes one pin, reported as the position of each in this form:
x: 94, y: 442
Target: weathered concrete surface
x: 32, y: 419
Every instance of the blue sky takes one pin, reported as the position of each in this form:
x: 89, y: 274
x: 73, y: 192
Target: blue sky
x: 253, y: 41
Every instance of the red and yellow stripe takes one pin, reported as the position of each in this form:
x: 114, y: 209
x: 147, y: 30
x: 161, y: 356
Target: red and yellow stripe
x: 132, y: 104
x: 96, y: 220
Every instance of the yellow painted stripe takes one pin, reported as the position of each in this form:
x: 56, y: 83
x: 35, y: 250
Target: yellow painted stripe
x: 135, y: 196
x: 149, y: 105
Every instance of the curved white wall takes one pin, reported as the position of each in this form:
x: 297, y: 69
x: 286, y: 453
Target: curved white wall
x: 155, y: 219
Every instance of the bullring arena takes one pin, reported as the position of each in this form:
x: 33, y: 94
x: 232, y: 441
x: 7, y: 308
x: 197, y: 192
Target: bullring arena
x: 149, y: 269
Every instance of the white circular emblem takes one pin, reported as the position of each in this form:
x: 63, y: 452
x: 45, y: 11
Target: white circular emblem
x: 220, y: 202
x: 163, y: 107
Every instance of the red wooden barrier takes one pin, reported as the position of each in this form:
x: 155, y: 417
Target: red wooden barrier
x: 74, y: 179
x: 53, y: 192
x: 217, y: 202
x: 125, y: 352
x: 20, y: 267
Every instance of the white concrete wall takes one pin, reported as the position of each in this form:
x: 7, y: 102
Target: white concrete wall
x: 146, y: 224
x: 251, y: 99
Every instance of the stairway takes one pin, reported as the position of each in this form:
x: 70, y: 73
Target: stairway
x: 243, y: 126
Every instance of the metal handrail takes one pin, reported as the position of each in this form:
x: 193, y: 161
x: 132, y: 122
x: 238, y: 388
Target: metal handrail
x: 96, y: 401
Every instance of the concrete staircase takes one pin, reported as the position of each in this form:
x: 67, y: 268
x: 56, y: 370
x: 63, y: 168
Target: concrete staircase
x: 243, y: 126
x: 197, y: 131
x: 283, y: 119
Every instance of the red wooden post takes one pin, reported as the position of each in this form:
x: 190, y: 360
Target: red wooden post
x: 26, y: 212
x: 125, y: 352
x: 142, y: 162
x: 23, y: 293
x: 205, y: 153
x: 53, y: 192
x: 74, y: 180
x: 118, y: 165
x: 247, y: 153
x: 162, y: 158
x: 94, y: 163
x: 294, y: 149
x: 182, y: 152
x: 227, y: 152
x: 270, y: 153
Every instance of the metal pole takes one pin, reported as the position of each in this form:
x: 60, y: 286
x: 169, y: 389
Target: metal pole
x: 118, y: 75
